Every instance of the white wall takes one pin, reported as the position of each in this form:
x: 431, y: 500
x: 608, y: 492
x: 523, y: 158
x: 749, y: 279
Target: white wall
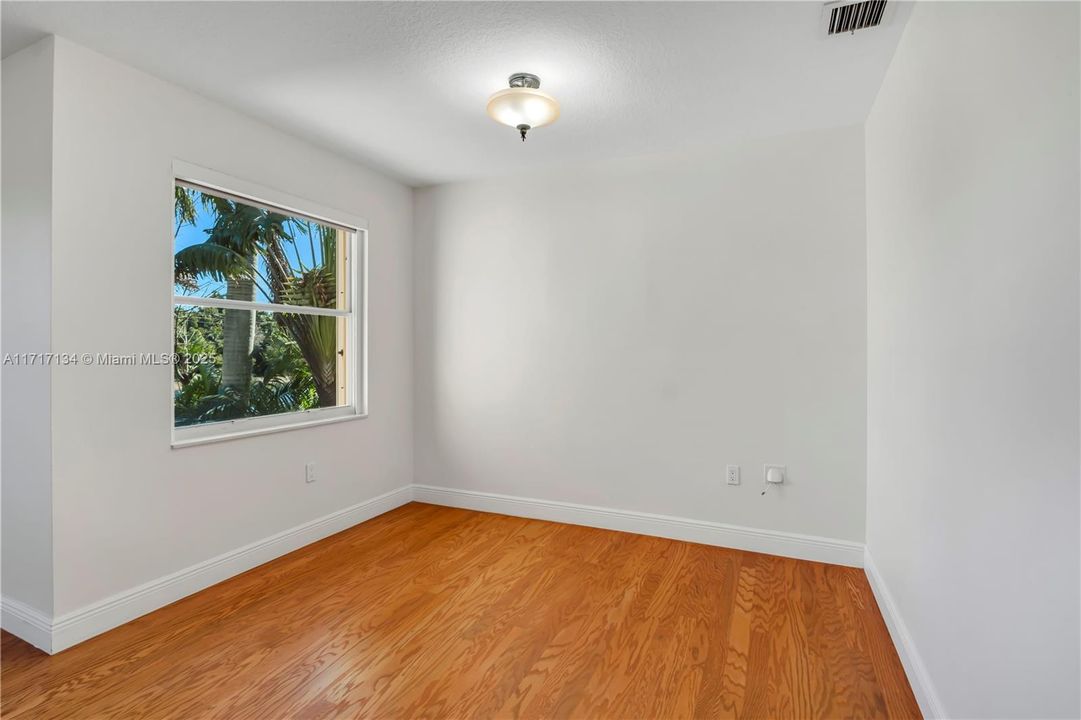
x: 613, y: 334
x: 973, y: 360
x: 128, y: 509
x: 27, y: 181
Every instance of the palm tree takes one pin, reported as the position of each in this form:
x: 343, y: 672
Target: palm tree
x: 316, y: 335
x: 228, y: 254
x: 241, y: 236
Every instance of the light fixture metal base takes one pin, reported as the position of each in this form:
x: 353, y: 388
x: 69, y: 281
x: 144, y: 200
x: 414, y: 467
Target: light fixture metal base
x: 526, y: 80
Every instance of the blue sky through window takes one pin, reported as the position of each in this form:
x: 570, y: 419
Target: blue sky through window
x: 303, y: 253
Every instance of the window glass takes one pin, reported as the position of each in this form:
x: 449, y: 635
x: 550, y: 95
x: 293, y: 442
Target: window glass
x: 239, y: 353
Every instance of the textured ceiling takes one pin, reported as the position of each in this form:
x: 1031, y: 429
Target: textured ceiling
x: 403, y: 86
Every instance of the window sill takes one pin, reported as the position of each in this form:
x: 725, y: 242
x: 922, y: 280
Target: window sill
x: 236, y: 433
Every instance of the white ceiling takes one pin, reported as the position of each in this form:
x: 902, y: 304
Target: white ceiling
x: 403, y: 86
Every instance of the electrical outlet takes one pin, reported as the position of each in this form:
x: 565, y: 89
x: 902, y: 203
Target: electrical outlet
x: 775, y: 474
x: 733, y: 474
x: 309, y: 472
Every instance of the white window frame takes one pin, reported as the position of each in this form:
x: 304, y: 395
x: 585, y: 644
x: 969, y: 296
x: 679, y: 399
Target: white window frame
x: 356, y: 406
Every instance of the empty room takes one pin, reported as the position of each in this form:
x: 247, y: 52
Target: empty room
x: 616, y: 360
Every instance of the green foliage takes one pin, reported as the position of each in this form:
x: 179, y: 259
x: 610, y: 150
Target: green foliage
x: 281, y: 379
x: 184, y: 210
x: 218, y: 262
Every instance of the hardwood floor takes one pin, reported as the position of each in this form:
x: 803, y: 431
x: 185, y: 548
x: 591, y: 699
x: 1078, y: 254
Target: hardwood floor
x: 443, y: 613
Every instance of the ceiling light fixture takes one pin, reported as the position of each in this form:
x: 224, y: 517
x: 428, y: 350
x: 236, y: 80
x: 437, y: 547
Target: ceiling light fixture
x: 523, y: 106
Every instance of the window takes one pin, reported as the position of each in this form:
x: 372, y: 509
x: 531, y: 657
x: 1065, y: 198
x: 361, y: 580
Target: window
x: 265, y: 318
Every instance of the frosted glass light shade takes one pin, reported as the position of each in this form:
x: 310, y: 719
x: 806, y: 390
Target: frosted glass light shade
x: 523, y: 106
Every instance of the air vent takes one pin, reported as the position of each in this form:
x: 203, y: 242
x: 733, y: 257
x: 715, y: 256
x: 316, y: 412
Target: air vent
x: 848, y: 17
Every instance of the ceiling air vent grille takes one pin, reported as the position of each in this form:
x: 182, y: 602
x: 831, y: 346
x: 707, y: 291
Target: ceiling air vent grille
x: 852, y: 16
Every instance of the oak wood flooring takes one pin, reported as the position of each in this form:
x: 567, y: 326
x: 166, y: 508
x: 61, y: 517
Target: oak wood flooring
x: 433, y: 612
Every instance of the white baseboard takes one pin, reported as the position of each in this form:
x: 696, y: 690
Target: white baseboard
x: 74, y: 627
x: 918, y: 677
x: 803, y: 547
x: 25, y: 622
